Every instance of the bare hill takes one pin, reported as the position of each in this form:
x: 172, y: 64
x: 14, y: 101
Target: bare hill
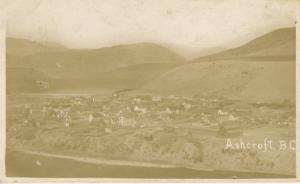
x: 23, y: 47
x: 68, y: 63
x: 263, y: 69
x: 22, y: 79
x: 122, y: 65
x: 276, y: 45
x: 257, y: 81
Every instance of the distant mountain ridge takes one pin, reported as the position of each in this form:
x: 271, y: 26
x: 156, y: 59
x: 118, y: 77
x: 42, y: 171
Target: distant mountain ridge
x: 91, y: 67
x: 103, y: 59
x: 262, y: 68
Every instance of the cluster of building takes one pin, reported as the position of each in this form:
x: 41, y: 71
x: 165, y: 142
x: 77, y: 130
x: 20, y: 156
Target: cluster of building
x: 122, y: 111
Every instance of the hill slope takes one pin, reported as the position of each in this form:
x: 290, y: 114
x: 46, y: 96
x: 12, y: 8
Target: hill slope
x: 23, y: 47
x: 276, y: 45
x: 24, y: 80
x: 94, y: 68
x: 257, y: 81
x: 270, y: 75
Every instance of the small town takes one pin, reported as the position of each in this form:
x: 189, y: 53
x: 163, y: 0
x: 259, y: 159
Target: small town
x: 124, y: 111
x: 150, y: 128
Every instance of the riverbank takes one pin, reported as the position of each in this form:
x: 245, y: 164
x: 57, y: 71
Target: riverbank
x: 34, y: 164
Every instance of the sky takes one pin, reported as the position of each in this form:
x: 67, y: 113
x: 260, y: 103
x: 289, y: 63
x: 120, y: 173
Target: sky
x: 186, y: 24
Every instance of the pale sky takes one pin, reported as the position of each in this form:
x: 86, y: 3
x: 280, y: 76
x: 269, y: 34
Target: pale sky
x: 193, y: 24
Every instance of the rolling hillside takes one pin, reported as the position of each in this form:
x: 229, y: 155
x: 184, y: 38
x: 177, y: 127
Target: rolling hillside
x: 261, y: 70
x: 93, y: 68
x: 257, y: 81
x: 21, y: 79
x: 69, y: 63
x: 133, y: 77
x: 279, y: 45
x: 23, y: 47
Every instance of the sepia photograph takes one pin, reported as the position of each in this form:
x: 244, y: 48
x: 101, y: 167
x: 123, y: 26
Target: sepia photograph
x: 137, y: 89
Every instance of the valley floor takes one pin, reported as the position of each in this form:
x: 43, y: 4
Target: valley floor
x: 149, y: 131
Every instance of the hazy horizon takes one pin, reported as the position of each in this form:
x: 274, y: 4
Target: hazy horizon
x: 199, y: 24
x: 189, y: 53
